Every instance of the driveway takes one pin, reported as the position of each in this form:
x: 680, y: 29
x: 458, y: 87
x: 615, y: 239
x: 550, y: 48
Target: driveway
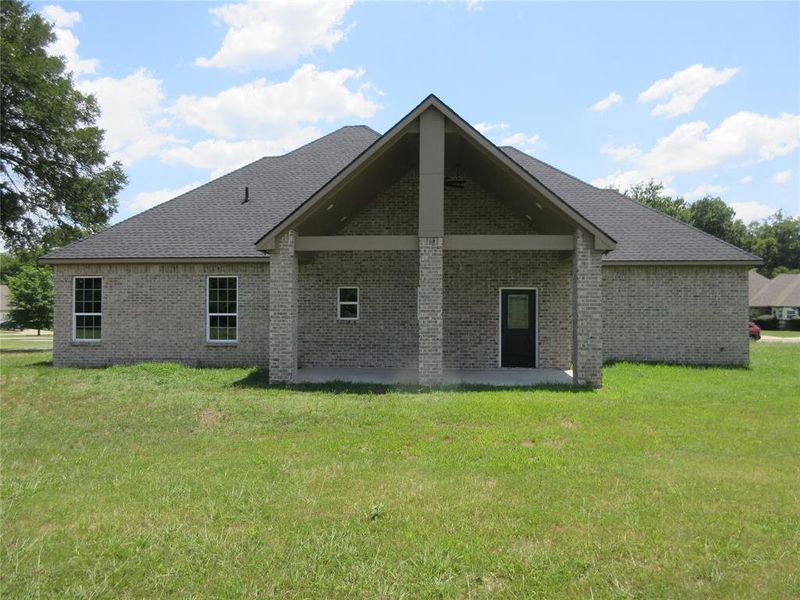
x: 779, y: 340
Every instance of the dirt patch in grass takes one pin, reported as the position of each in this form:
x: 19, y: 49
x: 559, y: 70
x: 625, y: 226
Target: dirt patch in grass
x: 567, y: 424
x: 210, y: 417
x: 527, y: 443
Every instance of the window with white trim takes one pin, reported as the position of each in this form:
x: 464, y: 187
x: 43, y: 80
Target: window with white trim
x: 223, y: 309
x: 88, y: 309
x: 347, y: 304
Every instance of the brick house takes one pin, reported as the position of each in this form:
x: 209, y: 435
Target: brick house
x: 426, y: 250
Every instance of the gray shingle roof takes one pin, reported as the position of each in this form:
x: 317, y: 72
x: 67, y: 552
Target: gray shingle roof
x: 784, y: 290
x: 211, y: 221
x: 755, y: 283
x: 642, y: 233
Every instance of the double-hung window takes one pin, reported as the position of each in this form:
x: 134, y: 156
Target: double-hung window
x: 347, y: 304
x: 87, y: 323
x: 223, y: 309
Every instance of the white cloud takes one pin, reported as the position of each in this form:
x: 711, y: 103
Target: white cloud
x: 621, y: 153
x: 742, y: 138
x: 60, y: 17
x: 486, y: 128
x: 259, y: 108
x: 145, y: 200
x: 704, y: 189
x: 782, y: 177
x: 276, y: 32
x: 684, y: 89
x: 746, y: 179
x: 223, y: 156
x: 66, y: 42
x: 474, y: 5
x: 752, y: 211
x: 606, y: 102
x: 524, y: 142
x: 132, y: 114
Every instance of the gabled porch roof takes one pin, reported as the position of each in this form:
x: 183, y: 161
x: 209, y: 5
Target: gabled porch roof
x: 388, y: 151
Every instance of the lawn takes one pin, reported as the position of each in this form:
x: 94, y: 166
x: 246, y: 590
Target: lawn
x: 27, y: 340
x: 163, y: 481
x: 776, y: 333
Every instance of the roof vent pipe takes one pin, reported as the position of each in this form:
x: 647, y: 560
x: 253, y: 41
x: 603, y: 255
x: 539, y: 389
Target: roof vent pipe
x: 246, y: 194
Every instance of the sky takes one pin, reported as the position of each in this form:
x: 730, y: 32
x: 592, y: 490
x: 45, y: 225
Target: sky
x: 703, y: 97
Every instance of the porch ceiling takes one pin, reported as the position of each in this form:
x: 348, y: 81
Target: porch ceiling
x: 463, y: 158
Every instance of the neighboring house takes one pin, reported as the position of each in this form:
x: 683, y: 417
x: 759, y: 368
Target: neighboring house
x: 426, y: 248
x: 5, y: 303
x: 779, y: 297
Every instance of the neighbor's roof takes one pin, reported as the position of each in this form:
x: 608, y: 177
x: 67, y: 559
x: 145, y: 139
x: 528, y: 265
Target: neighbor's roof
x: 755, y: 283
x: 212, y: 222
x: 784, y: 290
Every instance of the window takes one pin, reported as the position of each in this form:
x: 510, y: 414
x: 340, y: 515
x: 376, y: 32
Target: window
x: 347, y: 304
x: 223, y: 307
x: 88, y: 309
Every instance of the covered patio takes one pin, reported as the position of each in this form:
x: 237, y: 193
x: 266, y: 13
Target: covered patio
x: 487, y: 377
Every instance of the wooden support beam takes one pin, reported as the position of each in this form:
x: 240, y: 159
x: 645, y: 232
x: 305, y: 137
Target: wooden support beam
x: 314, y: 243
x: 509, y: 242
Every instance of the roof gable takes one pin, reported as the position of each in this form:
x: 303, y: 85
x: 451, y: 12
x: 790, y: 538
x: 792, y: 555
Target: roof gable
x: 381, y: 145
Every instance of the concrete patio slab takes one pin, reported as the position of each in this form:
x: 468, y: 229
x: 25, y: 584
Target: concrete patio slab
x: 490, y: 377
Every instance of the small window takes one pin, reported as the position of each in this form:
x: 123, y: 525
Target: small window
x: 223, y: 309
x: 347, y: 304
x: 88, y: 309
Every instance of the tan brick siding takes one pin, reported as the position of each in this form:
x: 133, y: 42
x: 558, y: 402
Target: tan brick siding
x: 677, y: 314
x: 587, y: 312
x: 472, y: 282
x: 283, y: 308
x: 158, y: 313
x: 385, y: 334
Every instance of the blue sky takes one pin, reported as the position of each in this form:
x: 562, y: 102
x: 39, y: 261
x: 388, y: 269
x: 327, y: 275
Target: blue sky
x: 702, y: 96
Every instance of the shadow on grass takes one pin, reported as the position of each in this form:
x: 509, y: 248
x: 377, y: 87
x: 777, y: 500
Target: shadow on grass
x: 259, y: 379
x: 693, y: 366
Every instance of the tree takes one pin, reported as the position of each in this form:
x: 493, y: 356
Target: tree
x: 777, y: 241
x: 32, y: 297
x: 712, y: 215
x: 54, y: 174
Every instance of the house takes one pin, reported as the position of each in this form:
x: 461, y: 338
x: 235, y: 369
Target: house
x: 425, y: 250
x: 779, y: 297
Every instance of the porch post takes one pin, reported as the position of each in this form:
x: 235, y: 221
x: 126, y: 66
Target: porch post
x: 283, y: 315
x: 431, y: 246
x: 431, y: 327
x: 587, y: 312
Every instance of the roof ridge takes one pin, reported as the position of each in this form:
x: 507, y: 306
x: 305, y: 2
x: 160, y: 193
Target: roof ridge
x: 623, y: 196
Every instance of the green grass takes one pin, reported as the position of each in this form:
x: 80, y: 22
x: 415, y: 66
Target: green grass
x: 787, y: 334
x: 15, y: 340
x: 162, y: 481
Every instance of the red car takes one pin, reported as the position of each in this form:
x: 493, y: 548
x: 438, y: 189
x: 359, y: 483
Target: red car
x: 754, y: 331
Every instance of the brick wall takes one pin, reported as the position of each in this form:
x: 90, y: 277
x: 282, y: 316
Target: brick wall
x: 676, y: 314
x: 157, y: 312
x: 472, y: 281
x: 431, y: 308
x: 587, y: 311
x: 283, y: 309
x: 385, y: 334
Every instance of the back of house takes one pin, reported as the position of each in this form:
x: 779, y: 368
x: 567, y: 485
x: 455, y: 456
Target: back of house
x: 426, y: 249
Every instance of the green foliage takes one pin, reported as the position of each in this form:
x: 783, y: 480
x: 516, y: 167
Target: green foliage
x: 161, y: 481
x: 775, y: 239
x: 55, y: 179
x: 31, y: 292
x: 712, y: 215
